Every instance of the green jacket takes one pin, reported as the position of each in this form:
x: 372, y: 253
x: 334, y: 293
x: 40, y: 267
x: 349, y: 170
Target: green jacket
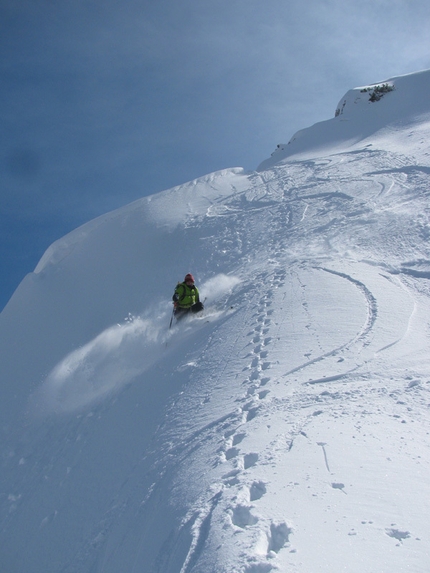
x: 185, y: 295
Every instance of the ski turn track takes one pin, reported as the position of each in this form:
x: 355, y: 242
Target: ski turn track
x: 287, y: 325
x: 313, y: 358
x: 289, y: 433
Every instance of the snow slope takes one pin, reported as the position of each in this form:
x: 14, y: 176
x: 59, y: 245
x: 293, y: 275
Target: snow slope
x: 286, y: 429
x: 401, y: 113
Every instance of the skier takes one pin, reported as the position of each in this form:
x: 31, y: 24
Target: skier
x: 186, y: 298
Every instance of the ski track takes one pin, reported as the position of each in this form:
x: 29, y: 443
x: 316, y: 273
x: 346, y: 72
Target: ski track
x: 218, y: 447
x: 240, y: 491
x: 235, y: 495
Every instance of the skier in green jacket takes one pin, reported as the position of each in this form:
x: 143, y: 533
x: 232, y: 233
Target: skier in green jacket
x: 186, y: 298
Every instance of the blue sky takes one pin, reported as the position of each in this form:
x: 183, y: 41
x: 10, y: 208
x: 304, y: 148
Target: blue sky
x: 104, y: 102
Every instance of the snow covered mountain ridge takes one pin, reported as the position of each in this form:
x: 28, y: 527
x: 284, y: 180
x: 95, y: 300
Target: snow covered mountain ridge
x: 285, y: 429
x: 364, y: 113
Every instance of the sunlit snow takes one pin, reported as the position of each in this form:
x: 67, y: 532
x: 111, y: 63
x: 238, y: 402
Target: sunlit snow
x: 284, y: 429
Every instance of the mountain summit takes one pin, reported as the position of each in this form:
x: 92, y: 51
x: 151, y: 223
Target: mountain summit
x: 393, y: 109
x: 286, y: 428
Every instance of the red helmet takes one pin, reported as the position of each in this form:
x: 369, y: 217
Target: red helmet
x: 188, y: 278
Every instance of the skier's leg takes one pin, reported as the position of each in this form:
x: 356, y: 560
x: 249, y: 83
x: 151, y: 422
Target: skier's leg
x: 181, y: 313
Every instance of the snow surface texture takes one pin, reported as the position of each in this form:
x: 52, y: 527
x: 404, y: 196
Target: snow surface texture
x: 285, y: 429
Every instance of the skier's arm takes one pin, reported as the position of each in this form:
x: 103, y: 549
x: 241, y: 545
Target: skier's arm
x: 177, y: 296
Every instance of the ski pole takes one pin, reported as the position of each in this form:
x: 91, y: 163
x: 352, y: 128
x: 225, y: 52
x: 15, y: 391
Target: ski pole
x: 171, y: 318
